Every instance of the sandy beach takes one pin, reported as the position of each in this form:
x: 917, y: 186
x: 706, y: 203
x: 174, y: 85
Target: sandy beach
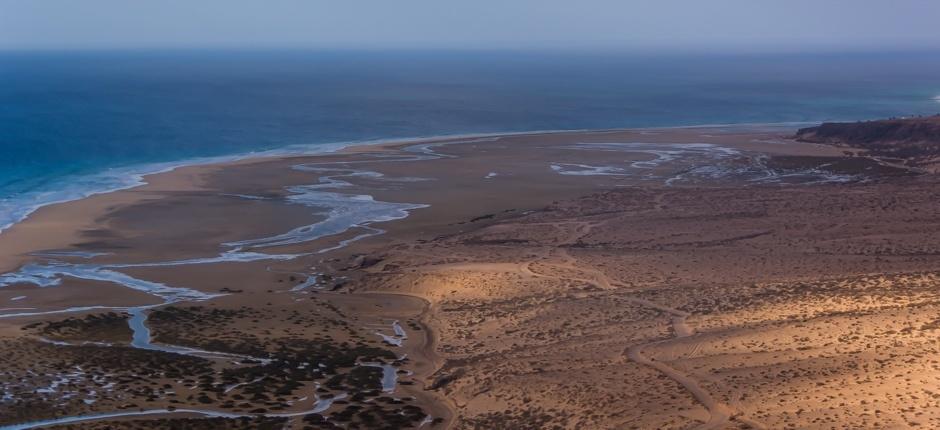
x: 714, y: 277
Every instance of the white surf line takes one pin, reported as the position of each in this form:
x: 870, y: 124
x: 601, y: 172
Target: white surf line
x: 345, y: 211
x: 361, y: 209
x: 319, y: 407
x: 117, y: 179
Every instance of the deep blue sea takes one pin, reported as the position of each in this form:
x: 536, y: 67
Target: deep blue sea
x: 80, y: 122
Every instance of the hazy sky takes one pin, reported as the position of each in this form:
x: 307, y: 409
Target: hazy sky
x: 716, y: 25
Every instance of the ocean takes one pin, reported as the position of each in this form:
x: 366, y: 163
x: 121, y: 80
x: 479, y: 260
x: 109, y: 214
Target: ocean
x: 76, y: 123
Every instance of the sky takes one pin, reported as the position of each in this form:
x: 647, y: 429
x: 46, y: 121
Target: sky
x: 656, y: 25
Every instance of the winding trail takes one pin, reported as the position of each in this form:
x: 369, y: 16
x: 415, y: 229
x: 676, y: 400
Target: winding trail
x: 337, y: 222
x: 343, y: 213
x: 720, y: 413
x: 424, y: 350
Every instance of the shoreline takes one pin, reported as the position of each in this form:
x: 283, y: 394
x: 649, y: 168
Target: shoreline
x: 135, y: 175
x: 186, y: 177
x: 249, y: 237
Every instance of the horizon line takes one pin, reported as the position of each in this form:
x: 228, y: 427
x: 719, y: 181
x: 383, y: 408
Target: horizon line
x: 568, y: 50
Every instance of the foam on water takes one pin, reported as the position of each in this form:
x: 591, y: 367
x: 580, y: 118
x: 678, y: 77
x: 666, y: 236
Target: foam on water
x: 66, y: 189
x: 343, y: 211
x: 68, y: 118
x: 664, y: 152
x: 231, y: 256
x: 755, y: 170
x: 16, y: 209
x: 51, y: 274
x: 695, y: 162
x: 573, y: 169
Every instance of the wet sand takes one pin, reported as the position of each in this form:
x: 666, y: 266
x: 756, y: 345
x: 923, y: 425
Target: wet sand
x: 663, y: 278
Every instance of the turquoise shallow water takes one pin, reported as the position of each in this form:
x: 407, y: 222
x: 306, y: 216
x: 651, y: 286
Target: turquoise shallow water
x: 77, y: 123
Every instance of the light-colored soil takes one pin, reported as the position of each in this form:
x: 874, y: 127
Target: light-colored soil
x: 554, y: 281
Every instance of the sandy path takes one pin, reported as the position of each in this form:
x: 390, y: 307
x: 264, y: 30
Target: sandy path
x: 426, y: 351
x: 720, y: 413
x: 558, y: 257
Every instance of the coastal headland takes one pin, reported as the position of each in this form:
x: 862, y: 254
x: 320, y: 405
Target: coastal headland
x: 711, y: 277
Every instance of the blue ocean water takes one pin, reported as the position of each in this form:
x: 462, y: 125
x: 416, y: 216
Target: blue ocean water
x: 80, y: 122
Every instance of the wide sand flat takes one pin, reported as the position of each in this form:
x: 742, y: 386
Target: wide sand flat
x: 681, y: 278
